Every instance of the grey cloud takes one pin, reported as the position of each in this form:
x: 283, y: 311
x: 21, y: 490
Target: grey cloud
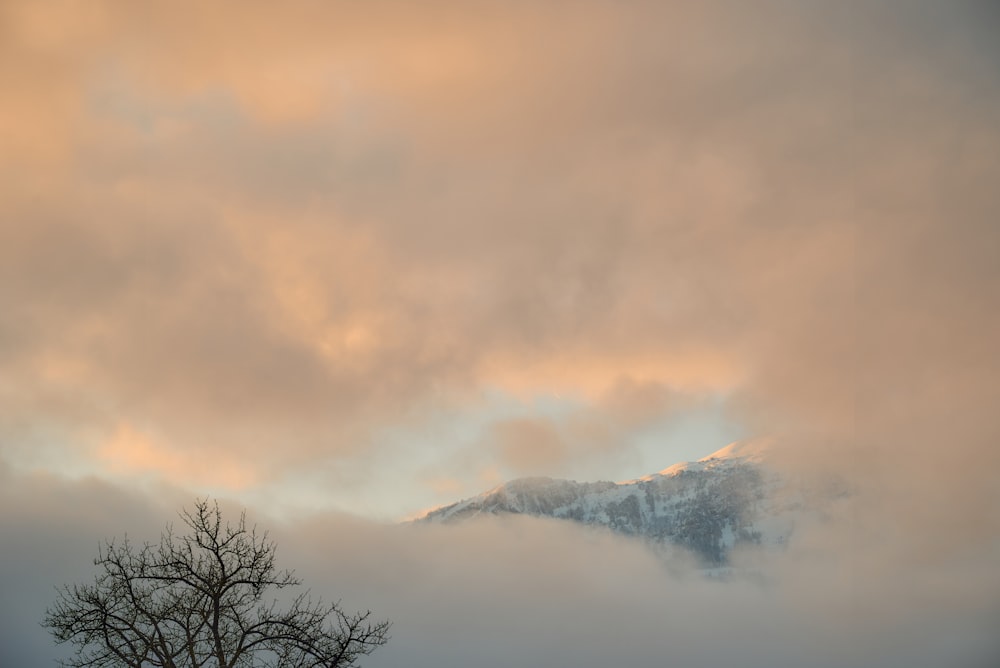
x: 521, y: 591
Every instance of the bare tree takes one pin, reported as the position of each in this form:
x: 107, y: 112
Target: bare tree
x: 197, y: 599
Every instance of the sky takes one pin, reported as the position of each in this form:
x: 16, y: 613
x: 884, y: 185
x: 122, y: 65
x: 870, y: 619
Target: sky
x: 342, y: 262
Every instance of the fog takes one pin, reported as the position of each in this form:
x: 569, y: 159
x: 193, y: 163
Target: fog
x: 519, y: 591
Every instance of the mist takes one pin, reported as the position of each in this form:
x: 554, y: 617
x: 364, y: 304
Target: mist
x: 518, y: 591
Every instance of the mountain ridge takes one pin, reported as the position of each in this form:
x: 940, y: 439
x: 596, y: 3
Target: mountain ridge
x: 708, y: 507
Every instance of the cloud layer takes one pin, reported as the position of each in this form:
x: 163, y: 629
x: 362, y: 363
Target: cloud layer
x: 522, y: 591
x: 258, y: 234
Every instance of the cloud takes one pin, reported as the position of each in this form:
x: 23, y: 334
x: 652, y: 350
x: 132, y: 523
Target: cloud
x: 264, y: 240
x: 527, y: 445
x: 241, y: 267
x: 569, y: 595
x: 132, y: 454
x: 577, y: 436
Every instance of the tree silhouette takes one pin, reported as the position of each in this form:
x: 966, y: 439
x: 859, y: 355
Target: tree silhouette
x: 197, y: 599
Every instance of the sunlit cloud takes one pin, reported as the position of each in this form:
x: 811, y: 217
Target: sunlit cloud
x: 131, y: 454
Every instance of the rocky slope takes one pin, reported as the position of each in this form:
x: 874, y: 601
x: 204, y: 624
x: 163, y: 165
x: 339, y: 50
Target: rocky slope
x: 709, y: 507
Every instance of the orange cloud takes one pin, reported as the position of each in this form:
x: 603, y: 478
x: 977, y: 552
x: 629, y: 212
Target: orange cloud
x: 277, y: 232
x: 131, y: 453
x: 528, y: 446
x: 591, y: 374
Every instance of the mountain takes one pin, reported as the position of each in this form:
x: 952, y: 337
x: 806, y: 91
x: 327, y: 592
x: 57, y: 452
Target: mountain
x: 710, y: 506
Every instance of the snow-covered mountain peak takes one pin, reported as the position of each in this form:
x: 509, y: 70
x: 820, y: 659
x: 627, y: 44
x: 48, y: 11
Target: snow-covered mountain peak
x: 708, y: 506
x: 755, y: 450
x: 749, y: 451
